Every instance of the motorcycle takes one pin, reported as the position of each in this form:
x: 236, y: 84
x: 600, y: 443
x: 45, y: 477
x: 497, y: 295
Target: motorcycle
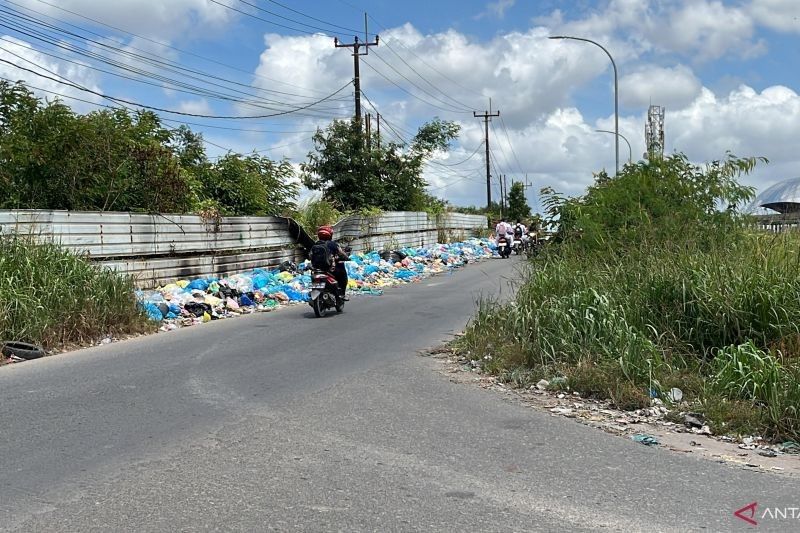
x: 324, y: 293
x: 503, y: 248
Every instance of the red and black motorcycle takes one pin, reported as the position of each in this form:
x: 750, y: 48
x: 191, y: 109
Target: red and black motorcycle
x: 325, y: 293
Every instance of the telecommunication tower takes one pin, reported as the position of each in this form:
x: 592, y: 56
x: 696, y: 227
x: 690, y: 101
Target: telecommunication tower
x: 654, y: 132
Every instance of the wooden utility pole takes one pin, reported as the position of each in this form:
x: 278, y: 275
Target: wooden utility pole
x: 485, y: 116
x: 357, y: 45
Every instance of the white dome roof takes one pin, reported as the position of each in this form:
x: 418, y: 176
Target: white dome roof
x: 779, y: 197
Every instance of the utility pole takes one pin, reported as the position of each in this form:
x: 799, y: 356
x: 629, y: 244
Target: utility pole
x: 356, y: 45
x: 504, y: 191
x: 378, y: 120
x: 485, y: 116
x: 368, y: 125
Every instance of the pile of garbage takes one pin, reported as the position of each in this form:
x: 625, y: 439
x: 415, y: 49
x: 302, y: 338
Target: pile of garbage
x: 189, y: 302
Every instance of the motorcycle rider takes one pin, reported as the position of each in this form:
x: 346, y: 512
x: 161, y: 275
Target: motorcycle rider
x: 504, y: 229
x: 520, y: 233
x: 325, y: 236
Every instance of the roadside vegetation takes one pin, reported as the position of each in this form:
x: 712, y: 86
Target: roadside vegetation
x: 654, y: 281
x: 51, y: 297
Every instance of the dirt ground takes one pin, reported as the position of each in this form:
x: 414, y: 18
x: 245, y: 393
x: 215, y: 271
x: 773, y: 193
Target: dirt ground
x: 749, y: 452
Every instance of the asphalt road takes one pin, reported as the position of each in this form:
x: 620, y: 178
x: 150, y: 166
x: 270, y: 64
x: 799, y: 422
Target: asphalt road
x: 285, y: 422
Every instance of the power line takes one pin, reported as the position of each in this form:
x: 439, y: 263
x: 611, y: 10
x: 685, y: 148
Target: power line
x: 160, y: 43
x: 262, y: 19
x: 313, y: 18
x: 451, y: 108
x: 514, y: 153
x: 423, y: 78
x: 311, y: 26
x: 166, y: 65
x: 154, y: 108
x: 422, y: 60
x: 465, y: 160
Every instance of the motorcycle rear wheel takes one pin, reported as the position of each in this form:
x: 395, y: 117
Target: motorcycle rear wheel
x: 319, y: 308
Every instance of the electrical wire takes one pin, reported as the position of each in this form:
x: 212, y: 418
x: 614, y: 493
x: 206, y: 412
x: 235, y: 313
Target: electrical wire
x: 422, y: 60
x: 449, y: 108
x: 160, y: 43
x: 423, y: 78
x: 170, y: 111
x: 125, y: 66
x: 508, y: 138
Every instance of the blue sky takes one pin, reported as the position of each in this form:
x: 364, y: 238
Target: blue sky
x: 726, y: 72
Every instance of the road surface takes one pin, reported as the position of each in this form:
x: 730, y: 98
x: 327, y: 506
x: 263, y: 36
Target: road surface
x: 285, y: 422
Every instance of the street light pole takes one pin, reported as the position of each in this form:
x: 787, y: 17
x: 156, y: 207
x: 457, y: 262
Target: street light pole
x: 630, y: 152
x: 616, y: 89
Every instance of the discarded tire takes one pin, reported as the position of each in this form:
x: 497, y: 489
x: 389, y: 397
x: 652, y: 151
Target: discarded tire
x: 23, y: 350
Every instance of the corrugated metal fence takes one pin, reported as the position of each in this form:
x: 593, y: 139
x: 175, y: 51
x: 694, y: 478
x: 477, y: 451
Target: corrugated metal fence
x: 159, y: 248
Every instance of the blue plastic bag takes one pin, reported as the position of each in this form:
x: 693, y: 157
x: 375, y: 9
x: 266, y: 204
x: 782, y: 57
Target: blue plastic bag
x: 153, y: 312
x: 198, y: 284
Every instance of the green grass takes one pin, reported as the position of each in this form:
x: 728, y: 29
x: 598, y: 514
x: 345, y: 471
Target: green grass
x: 312, y: 214
x: 719, y: 322
x: 51, y: 297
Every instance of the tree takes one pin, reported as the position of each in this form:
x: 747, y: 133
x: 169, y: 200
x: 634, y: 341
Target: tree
x: 119, y: 160
x: 355, y: 174
x: 661, y: 200
x: 518, y: 208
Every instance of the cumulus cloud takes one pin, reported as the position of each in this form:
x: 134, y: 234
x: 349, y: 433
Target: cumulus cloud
x: 781, y: 15
x: 24, y: 55
x: 673, y: 87
x: 197, y: 107
x: 497, y: 9
x: 155, y: 18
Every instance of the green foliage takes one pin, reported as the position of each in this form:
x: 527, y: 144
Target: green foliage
x: 354, y: 172
x: 654, y: 201
x: 656, y: 282
x: 518, y: 208
x: 315, y: 213
x: 116, y: 160
x: 50, y: 297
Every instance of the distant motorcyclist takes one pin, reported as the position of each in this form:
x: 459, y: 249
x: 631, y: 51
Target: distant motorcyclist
x: 338, y: 257
x: 520, y: 233
x: 503, y: 229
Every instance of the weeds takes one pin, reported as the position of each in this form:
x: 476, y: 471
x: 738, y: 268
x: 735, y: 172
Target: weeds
x: 50, y: 297
x: 633, y: 301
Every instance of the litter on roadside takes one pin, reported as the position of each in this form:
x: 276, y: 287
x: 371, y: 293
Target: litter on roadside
x: 189, y: 302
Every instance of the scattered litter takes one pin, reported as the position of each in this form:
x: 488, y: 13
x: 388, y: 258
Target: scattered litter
x: 542, y: 384
x: 693, y: 420
x: 767, y: 453
x: 647, y: 440
x: 675, y: 395
x: 189, y: 302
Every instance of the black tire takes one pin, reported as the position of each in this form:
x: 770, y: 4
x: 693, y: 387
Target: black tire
x: 23, y: 350
x: 319, y: 309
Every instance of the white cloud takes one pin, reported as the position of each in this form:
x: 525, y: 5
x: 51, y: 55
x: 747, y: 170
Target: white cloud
x: 781, y: 15
x: 22, y: 54
x: 497, y: 9
x: 155, y: 18
x: 673, y: 87
x: 196, y: 107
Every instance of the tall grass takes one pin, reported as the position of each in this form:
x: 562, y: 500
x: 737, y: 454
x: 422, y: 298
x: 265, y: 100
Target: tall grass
x: 51, y: 297
x: 312, y: 214
x: 720, y: 322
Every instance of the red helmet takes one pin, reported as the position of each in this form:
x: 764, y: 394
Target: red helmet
x: 325, y: 233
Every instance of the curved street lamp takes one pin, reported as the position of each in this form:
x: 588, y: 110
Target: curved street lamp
x: 616, y: 91
x: 630, y: 152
